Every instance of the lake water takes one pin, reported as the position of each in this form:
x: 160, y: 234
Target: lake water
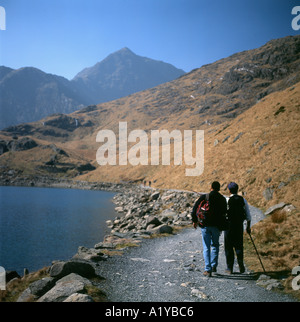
x: 38, y: 225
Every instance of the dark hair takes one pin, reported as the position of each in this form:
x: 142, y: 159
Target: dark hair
x: 216, y: 186
x: 233, y: 190
x: 233, y: 187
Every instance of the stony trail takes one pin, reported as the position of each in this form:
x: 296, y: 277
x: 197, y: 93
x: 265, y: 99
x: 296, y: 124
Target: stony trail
x: 170, y: 269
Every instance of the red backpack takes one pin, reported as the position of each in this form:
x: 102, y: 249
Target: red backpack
x: 203, y: 212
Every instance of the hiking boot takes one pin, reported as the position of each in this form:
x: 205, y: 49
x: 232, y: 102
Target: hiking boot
x: 207, y: 273
x: 242, y: 269
x: 214, y: 269
x: 228, y: 271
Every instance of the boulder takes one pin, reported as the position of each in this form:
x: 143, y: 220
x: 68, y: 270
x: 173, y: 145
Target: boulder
x: 61, y: 269
x: 163, y: 229
x: 40, y: 287
x: 268, y: 194
x: 78, y: 297
x: 62, y: 290
x: 275, y: 207
x: 37, y: 289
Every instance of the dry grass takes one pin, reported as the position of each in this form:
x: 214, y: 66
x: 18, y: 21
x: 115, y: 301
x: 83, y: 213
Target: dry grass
x: 15, y: 287
x: 277, y: 239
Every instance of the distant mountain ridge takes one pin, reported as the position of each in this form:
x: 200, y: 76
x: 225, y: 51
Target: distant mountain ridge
x: 126, y: 72
x: 29, y: 94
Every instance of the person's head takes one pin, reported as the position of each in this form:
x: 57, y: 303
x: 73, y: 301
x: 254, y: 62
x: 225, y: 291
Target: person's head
x: 233, y: 187
x: 216, y: 186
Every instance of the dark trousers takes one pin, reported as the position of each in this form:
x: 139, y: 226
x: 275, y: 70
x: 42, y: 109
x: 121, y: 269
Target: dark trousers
x: 233, y: 241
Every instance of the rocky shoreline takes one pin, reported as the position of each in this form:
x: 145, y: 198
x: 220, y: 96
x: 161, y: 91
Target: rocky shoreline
x: 145, y: 212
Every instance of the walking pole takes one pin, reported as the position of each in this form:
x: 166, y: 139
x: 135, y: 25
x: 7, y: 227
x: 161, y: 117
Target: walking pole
x: 257, y: 253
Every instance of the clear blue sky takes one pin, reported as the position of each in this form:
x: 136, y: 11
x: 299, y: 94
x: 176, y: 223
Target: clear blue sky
x: 64, y: 36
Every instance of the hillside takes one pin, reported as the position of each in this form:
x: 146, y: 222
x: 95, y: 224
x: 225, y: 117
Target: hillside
x: 248, y: 105
x: 259, y: 149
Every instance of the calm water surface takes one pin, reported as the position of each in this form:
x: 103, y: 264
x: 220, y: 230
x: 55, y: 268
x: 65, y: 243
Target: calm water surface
x: 38, y: 225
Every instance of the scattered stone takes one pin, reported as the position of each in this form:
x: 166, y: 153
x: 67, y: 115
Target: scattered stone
x: 155, y: 196
x: 268, y: 194
x: 288, y: 208
x: 226, y: 138
x: 237, y: 137
x: 89, y: 254
x: 139, y: 259
x: 199, y: 294
x: 262, y: 146
x: 105, y: 245
x: 269, y: 283
x: 275, y: 207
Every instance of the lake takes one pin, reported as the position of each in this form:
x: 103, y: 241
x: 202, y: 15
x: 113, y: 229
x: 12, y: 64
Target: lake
x: 38, y: 225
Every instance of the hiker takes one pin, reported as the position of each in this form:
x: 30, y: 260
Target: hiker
x: 210, y: 230
x: 238, y: 211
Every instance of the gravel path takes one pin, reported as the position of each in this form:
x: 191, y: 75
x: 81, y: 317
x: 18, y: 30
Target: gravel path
x: 170, y: 269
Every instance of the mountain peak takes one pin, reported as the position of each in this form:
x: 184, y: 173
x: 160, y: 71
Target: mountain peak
x: 123, y: 73
x: 125, y: 50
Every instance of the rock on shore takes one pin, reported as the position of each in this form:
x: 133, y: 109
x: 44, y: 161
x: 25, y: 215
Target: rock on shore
x: 148, y: 211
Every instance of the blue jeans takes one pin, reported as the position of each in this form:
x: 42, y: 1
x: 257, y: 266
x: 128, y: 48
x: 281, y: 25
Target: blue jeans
x: 210, y: 239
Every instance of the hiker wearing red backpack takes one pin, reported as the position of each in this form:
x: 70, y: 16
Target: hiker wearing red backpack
x: 238, y: 212
x: 208, y: 212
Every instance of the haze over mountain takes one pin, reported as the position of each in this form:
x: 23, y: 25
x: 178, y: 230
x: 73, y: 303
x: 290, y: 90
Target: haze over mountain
x: 123, y: 73
x: 29, y: 94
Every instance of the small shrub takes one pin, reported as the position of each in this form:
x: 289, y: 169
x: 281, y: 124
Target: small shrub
x: 278, y: 217
x: 270, y: 233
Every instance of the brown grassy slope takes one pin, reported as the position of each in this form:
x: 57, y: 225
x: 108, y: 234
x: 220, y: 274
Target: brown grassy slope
x: 265, y: 156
